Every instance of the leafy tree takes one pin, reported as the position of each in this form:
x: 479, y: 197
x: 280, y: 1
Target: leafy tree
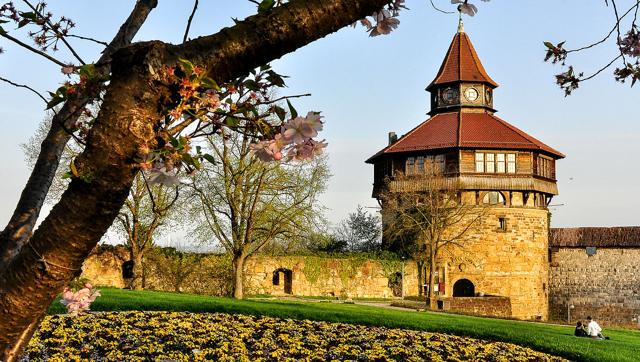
x: 246, y: 203
x: 361, y: 231
x: 430, y: 218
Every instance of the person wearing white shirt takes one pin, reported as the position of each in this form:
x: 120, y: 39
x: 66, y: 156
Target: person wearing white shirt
x: 593, y: 329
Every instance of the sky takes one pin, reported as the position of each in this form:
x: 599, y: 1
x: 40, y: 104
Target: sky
x: 366, y: 87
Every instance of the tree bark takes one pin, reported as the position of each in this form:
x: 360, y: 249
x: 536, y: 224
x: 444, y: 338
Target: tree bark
x: 129, y: 117
x: 136, y: 283
x: 432, y: 267
x: 238, y: 276
x: 20, y: 226
x: 55, y: 253
x: 420, y: 266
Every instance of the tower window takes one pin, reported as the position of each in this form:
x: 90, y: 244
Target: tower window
x: 479, y: 162
x: 420, y: 165
x: 545, y: 167
x: 500, y: 167
x: 439, y: 165
x: 493, y: 198
x: 491, y: 162
x: 511, y: 163
x: 502, y: 223
x: 409, y: 166
x: 495, y: 162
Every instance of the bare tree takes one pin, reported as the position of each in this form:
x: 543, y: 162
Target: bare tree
x: 246, y: 203
x: 360, y: 231
x: 430, y: 215
x: 146, y: 212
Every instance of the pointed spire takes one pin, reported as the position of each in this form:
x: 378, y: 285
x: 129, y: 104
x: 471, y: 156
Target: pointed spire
x: 460, y: 22
x: 461, y: 64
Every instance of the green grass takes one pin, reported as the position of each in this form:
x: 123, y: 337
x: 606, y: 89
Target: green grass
x: 554, y: 339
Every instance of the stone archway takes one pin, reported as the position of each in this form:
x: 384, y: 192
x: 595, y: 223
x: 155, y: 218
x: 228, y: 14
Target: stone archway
x: 283, y: 277
x: 464, y: 288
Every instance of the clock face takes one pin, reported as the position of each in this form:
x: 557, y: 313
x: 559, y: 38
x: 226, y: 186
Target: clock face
x: 471, y: 94
x: 449, y: 95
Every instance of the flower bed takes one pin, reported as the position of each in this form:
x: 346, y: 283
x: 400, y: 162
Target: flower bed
x: 183, y: 336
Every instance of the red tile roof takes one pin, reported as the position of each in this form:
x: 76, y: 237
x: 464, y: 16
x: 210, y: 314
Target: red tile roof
x: 461, y: 64
x: 466, y: 130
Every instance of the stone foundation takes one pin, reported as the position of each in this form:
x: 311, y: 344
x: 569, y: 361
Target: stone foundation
x: 481, y: 306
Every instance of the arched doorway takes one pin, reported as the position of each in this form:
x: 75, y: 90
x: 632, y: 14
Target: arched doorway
x: 464, y: 288
x: 284, y: 277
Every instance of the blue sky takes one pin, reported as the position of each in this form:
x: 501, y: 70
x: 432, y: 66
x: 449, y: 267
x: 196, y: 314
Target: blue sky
x: 366, y: 87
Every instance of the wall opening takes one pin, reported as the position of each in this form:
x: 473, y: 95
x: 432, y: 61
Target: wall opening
x: 283, y: 277
x: 395, y: 284
x: 464, y: 288
x: 127, y: 269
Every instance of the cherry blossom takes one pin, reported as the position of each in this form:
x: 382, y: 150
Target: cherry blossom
x: 162, y: 176
x: 80, y: 301
x: 300, y: 129
x: 307, y: 150
x: 630, y: 44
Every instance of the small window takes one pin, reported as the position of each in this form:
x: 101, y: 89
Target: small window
x: 502, y: 223
x: 439, y: 164
x: 409, y: 167
x: 591, y: 250
x: 511, y: 162
x: 420, y: 165
x: 491, y: 162
x: 493, y: 198
x: 500, y: 166
x: 479, y: 162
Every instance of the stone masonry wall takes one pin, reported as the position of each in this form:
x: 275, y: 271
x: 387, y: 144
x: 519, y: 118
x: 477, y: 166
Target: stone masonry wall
x: 317, y: 276
x: 605, y: 286
x: 482, y: 306
x: 510, y: 263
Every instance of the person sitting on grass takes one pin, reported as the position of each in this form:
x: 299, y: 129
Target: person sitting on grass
x: 580, y: 331
x: 593, y: 329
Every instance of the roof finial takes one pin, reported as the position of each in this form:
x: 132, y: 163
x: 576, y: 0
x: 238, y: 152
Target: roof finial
x: 460, y: 22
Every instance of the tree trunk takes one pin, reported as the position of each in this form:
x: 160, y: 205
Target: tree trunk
x: 432, y: 268
x: 136, y: 283
x: 420, y: 266
x: 129, y: 118
x: 238, y: 276
x: 55, y: 253
x: 20, y: 226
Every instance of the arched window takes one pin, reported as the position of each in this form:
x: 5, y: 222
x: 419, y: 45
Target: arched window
x: 464, y: 288
x: 493, y: 198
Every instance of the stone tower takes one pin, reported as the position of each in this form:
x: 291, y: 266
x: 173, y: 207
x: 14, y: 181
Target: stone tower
x: 500, y: 168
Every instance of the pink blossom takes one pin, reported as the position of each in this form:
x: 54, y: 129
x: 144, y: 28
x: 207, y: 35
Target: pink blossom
x: 68, y: 69
x: 269, y: 150
x: 161, y: 176
x: 307, y: 150
x: 299, y: 129
x: 79, y: 301
x: 385, y: 23
x: 630, y: 44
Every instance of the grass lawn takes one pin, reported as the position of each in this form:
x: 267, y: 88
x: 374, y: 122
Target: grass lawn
x: 557, y: 340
